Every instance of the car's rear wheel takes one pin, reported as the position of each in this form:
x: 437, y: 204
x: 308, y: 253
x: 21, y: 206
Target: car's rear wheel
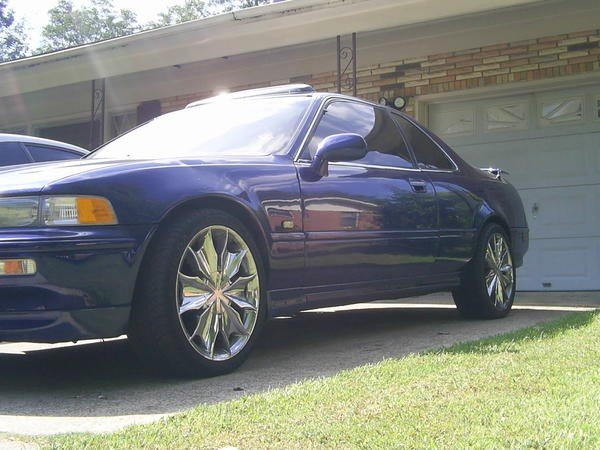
x: 487, y: 287
x: 199, y: 303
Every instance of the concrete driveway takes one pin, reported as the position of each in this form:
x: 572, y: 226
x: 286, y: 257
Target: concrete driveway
x: 100, y: 386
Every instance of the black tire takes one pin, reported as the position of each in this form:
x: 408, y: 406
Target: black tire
x: 156, y: 332
x: 472, y: 297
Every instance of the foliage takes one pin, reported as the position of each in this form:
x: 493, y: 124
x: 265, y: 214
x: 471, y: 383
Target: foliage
x: 536, y: 388
x: 197, y: 9
x: 69, y: 26
x: 221, y: 6
x: 190, y: 10
x: 13, y: 39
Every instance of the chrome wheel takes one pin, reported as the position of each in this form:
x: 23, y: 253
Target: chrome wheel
x: 218, y: 293
x: 498, y: 271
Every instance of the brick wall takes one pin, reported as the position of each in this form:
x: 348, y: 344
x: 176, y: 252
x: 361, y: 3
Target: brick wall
x: 535, y: 59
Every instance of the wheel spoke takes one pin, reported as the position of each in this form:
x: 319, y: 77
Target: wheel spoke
x: 208, y: 329
x: 233, y: 322
x: 240, y: 283
x: 233, y: 261
x: 240, y: 302
x: 499, y: 241
x: 499, y: 295
x: 205, y: 317
x: 490, y: 256
x: 491, y: 285
x: 194, y: 302
x: 208, y: 257
x: 199, y: 266
x: 224, y: 252
x: 194, y: 282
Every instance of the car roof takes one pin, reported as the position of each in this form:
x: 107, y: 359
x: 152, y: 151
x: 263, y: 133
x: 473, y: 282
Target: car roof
x: 286, y: 90
x: 7, y: 137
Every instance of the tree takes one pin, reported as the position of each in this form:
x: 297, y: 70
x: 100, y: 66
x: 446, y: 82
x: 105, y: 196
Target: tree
x: 69, y: 26
x: 221, y: 6
x: 13, y: 39
x: 197, y: 9
x: 190, y: 10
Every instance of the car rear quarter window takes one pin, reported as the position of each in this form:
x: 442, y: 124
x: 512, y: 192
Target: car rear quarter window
x: 429, y: 155
x: 41, y: 153
x: 11, y: 153
x: 384, y: 142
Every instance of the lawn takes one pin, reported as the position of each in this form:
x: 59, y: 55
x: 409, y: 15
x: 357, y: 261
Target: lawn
x: 537, y: 388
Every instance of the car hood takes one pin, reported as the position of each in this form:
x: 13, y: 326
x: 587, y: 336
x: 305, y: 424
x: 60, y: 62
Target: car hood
x: 31, y: 179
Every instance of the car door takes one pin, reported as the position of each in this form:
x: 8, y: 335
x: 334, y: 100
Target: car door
x: 457, y: 205
x: 372, y: 220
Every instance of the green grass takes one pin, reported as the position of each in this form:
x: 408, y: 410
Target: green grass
x: 537, y: 388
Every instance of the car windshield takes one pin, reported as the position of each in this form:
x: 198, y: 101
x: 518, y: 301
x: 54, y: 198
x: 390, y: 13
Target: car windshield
x: 255, y: 126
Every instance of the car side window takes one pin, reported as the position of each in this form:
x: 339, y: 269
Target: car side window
x: 12, y: 154
x: 429, y: 155
x: 386, y: 146
x: 41, y: 153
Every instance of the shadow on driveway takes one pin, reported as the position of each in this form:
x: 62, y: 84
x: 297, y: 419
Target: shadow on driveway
x: 102, y: 386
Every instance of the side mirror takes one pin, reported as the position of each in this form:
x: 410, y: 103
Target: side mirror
x: 338, y: 147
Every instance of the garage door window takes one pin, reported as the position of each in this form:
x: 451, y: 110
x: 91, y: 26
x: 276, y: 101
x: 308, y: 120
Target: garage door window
x: 506, y: 117
x: 565, y: 110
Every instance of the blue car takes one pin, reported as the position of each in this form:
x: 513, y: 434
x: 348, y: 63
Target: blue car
x: 189, y: 232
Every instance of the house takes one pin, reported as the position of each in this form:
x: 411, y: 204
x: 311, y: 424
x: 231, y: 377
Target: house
x: 508, y: 83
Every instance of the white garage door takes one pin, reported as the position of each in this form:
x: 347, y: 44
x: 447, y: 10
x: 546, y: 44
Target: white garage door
x: 549, y: 142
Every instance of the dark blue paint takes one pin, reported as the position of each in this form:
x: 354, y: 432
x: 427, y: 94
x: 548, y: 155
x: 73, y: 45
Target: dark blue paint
x: 361, y: 233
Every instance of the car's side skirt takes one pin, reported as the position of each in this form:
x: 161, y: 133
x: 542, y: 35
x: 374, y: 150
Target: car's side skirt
x: 290, y: 301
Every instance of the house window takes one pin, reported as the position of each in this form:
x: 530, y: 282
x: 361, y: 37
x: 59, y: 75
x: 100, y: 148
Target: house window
x: 559, y: 111
x: 120, y: 123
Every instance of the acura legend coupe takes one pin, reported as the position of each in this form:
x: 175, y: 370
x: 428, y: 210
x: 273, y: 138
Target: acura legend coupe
x: 189, y: 232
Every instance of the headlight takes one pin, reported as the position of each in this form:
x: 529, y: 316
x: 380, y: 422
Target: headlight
x: 56, y: 211
x: 18, y: 211
x: 77, y: 211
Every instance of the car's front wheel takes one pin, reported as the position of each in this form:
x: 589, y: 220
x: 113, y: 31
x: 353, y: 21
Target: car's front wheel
x: 199, y: 303
x: 487, y: 289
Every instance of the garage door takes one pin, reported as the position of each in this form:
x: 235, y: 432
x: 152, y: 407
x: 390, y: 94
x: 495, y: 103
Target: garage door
x: 549, y: 142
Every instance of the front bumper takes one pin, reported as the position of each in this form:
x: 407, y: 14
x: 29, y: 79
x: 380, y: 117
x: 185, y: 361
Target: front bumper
x: 83, y: 286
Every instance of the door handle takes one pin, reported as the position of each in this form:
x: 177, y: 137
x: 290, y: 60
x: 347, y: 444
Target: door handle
x: 419, y: 186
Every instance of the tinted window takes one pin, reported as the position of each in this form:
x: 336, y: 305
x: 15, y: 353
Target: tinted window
x: 40, y: 153
x: 258, y: 126
x: 11, y: 153
x: 428, y: 154
x: 385, y: 143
